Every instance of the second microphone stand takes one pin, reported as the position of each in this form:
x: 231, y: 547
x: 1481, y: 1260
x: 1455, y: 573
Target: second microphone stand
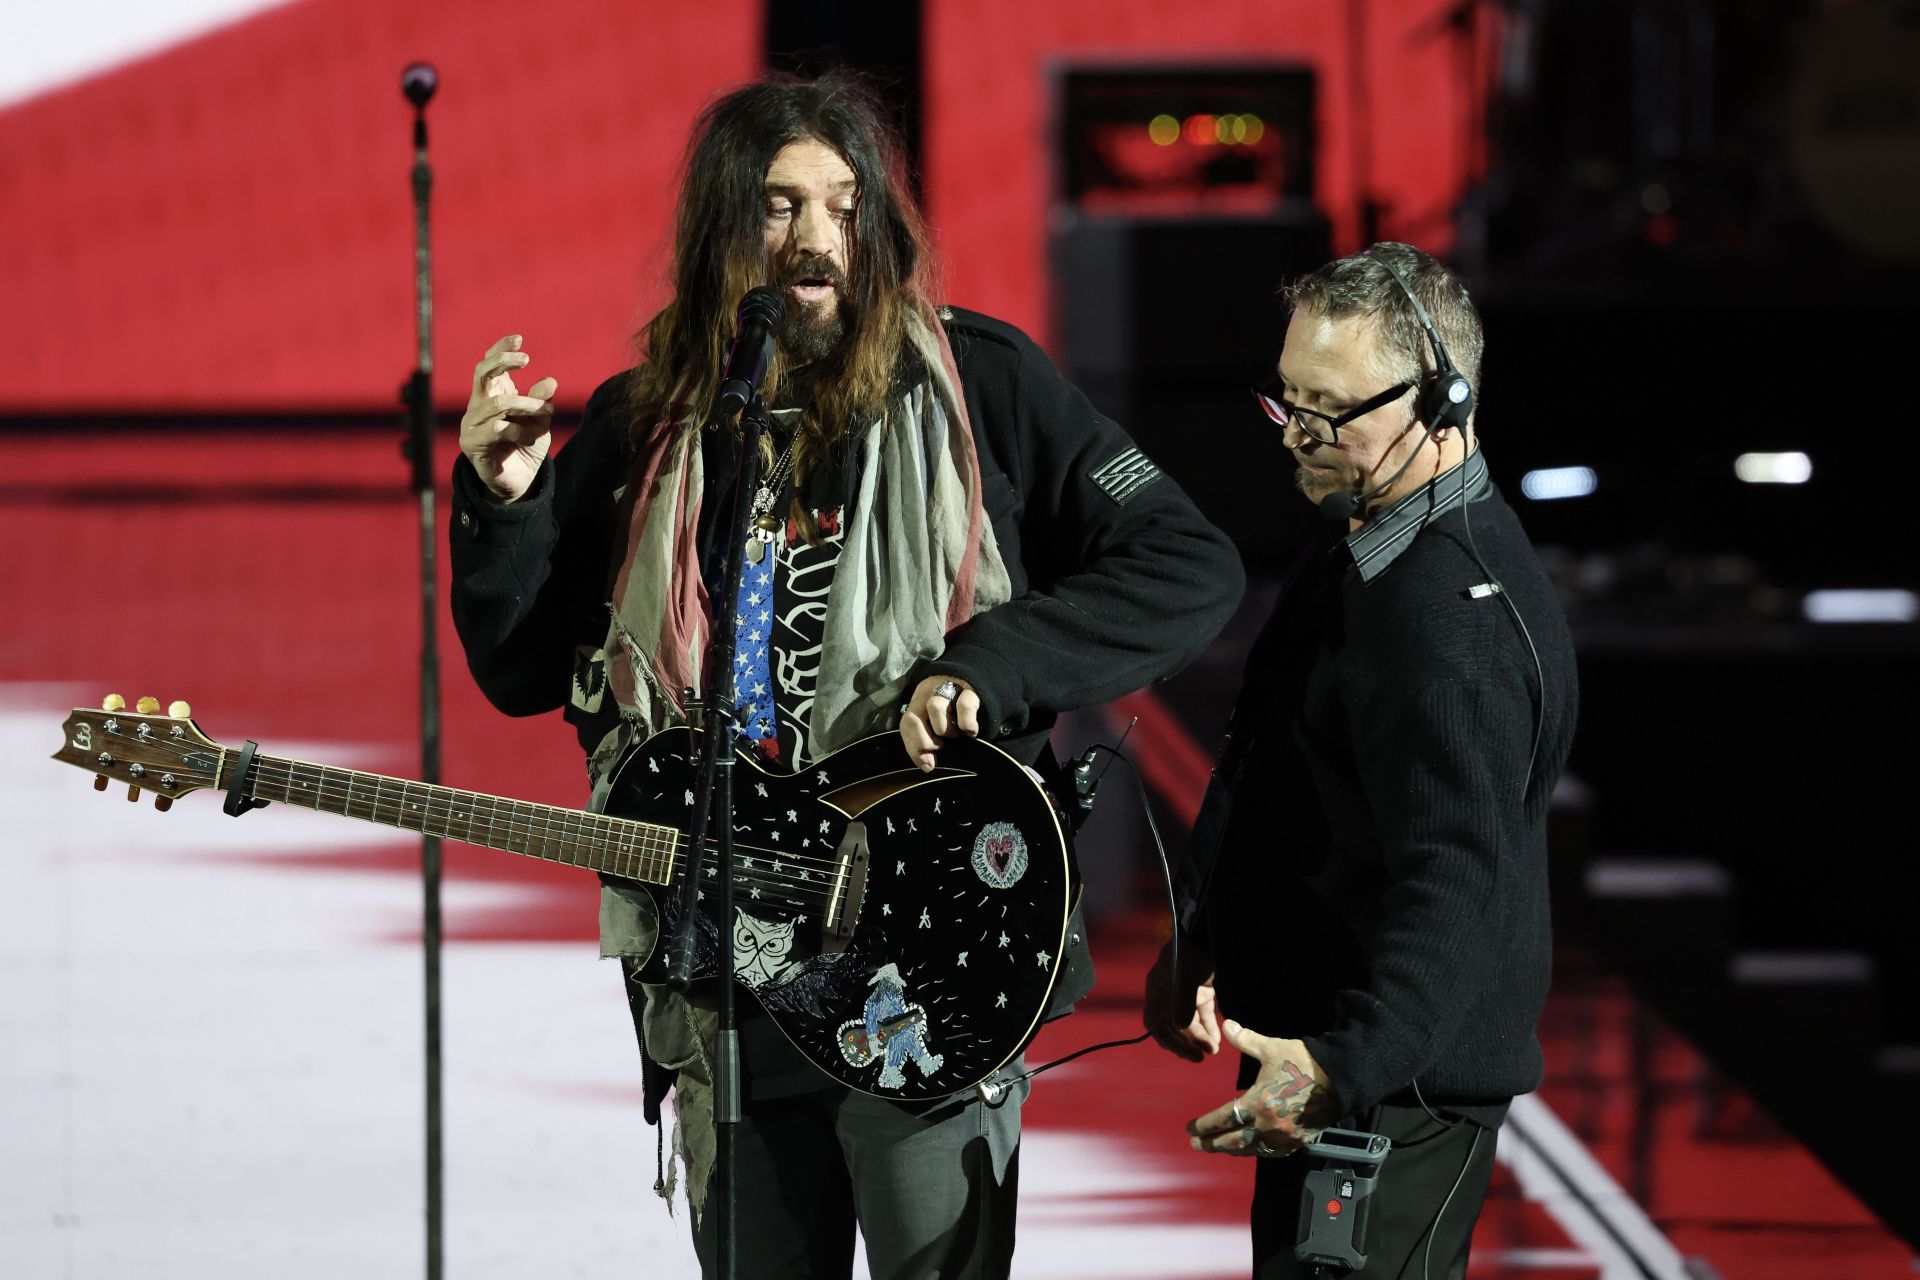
x: 713, y: 804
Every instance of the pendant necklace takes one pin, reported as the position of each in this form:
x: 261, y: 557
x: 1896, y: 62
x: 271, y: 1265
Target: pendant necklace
x: 765, y: 523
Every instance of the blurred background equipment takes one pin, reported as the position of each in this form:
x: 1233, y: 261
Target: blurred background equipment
x: 1182, y: 196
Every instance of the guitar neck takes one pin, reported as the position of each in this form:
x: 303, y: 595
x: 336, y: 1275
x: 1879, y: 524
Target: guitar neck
x: 618, y: 847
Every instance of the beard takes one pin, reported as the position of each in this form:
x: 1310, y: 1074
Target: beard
x: 814, y: 330
x: 1317, y: 484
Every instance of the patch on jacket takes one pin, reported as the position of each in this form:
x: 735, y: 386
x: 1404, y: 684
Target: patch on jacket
x: 1125, y: 474
x: 589, y: 678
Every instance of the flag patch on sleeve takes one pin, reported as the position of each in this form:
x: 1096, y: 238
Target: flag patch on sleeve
x: 1125, y: 474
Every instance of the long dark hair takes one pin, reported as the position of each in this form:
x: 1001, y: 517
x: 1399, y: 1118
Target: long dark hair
x: 720, y: 252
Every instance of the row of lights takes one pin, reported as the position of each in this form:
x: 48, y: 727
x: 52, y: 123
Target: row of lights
x: 1551, y: 483
x: 1833, y: 605
x: 1207, y: 130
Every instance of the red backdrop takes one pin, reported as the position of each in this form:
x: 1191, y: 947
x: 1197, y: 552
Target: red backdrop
x: 228, y: 223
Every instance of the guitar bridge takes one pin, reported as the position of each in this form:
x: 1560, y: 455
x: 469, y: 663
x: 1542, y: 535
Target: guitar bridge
x: 850, y: 888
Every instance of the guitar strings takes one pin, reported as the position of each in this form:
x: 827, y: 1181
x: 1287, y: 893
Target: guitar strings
x: 573, y: 823
x: 813, y: 874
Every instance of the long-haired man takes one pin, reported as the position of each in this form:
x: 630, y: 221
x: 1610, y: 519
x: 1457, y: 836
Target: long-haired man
x: 950, y: 541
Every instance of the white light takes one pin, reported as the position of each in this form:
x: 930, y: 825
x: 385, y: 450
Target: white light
x: 1774, y: 468
x: 1891, y: 605
x: 59, y: 45
x: 1559, y: 482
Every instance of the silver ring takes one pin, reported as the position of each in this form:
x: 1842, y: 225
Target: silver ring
x: 948, y: 689
x: 1240, y: 1117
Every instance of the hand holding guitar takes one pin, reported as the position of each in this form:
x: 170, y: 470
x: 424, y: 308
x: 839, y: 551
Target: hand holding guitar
x: 941, y: 706
x: 504, y: 434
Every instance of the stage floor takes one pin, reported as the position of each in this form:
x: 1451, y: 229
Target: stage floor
x: 212, y: 1031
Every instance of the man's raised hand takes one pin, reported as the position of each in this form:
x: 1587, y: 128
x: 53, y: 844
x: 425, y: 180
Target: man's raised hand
x: 504, y: 434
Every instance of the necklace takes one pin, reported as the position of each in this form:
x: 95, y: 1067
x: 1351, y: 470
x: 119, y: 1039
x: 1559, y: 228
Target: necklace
x: 765, y: 523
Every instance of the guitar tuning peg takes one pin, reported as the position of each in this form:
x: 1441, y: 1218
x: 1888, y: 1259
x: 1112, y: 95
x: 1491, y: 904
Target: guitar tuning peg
x: 179, y: 709
x: 100, y: 782
x: 113, y: 702
x: 133, y: 795
x: 147, y: 706
x: 163, y: 803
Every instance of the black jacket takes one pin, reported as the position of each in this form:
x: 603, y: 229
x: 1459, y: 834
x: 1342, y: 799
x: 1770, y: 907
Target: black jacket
x: 1381, y: 889
x: 1115, y: 583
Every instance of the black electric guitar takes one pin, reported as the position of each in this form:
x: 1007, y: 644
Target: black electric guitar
x: 903, y: 929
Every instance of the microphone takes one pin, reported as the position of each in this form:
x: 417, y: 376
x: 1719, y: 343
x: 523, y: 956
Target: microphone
x: 761, y: 312
x: 1338, y: 508
x: 418, y: 82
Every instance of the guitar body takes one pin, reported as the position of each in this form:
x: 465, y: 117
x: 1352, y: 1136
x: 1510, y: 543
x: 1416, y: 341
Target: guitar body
x: 904, y: 930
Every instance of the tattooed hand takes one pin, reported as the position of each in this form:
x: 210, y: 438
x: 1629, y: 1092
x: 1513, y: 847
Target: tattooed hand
x: 1290, y: 1102
x: 1178, y: 1008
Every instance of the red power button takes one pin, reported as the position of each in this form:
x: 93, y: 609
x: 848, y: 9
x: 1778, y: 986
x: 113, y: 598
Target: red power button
x: 1333, y: 1207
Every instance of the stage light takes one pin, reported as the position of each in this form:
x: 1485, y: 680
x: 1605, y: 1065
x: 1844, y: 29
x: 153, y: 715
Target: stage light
x: 1230, y: 130
x: 1551, y: 483
x: 1251, y: 128
x: 1164, y: 130
x: 1201, y: 130
x: 1773, y: 468
x: 1842, y: 605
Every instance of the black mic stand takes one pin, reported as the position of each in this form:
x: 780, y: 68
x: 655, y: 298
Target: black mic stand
x: 418, y: 83
x: 713, y: 804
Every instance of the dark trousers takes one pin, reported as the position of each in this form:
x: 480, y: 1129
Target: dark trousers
x: 1427, y: 1160
x: 932, y: 1187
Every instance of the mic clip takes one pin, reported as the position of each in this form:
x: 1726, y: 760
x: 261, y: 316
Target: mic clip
x: 1086, y: 786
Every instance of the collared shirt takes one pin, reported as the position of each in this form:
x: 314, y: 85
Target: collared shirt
x: 1379, y: 542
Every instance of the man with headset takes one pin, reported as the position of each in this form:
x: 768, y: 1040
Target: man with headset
x: 1364, y: 908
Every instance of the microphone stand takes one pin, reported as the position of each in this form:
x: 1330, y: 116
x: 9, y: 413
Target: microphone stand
x: 713, y: 804
x: 418, y: 83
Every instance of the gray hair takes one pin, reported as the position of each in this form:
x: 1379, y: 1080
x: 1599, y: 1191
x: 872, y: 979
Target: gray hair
x: 1359, y: 286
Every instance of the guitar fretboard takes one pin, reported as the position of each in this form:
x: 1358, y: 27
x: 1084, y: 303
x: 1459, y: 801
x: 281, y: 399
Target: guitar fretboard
x: 619, y: 847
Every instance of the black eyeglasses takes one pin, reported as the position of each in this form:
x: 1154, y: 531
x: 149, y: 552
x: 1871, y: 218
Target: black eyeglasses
x: 1319, y: 426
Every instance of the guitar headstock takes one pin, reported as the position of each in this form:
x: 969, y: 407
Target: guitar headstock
x: 164, y: 754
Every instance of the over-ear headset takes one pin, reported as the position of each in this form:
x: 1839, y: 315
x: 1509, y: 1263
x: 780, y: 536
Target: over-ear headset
x: 1446, y: 397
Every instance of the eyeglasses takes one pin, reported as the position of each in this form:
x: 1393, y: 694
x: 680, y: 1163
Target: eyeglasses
x: 1319, y: 426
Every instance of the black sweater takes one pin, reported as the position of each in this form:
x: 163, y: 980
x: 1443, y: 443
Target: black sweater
x: 1108, y: 595
x: 1382, y: 884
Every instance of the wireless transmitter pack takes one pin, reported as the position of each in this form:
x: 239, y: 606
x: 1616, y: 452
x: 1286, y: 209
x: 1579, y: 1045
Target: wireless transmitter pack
x: 1334, y: 1202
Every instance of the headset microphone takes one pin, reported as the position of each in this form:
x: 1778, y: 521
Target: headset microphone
x: 1446, y: 400
x: 1338, y: 508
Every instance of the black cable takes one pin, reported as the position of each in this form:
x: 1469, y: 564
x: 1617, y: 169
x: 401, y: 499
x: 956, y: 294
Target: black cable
x: 1533, y: 754
x: 994, y: 1094
x: 1445, y: 1124
x: 1539, y: 672
x: 1426, y: 1263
